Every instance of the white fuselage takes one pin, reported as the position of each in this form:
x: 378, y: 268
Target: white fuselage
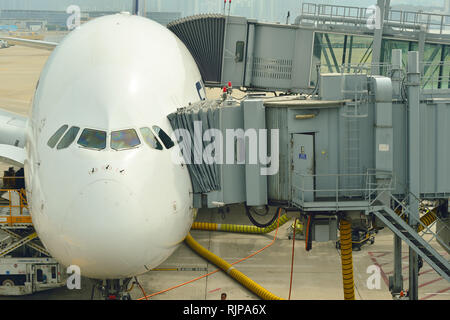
x: 115, y: 214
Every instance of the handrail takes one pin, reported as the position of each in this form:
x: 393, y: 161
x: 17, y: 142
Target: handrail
x: 372, y: 183
x: 399, y: 19
x: 404, y: 214
x: 10, y: 217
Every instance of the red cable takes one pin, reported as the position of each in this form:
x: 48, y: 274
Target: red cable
x: 217, y: 270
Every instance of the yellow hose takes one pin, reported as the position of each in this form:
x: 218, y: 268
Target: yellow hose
x: 230, y: 270
x: 345, y: 229
x: 427, y: 219
x: 239, y: 228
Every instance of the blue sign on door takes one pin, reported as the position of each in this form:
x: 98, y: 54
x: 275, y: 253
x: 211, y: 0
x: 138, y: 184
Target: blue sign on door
x: 302, y: 156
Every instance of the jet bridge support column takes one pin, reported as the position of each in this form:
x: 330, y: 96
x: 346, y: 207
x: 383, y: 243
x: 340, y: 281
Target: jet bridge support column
x: 139, y: 8
x: 396, y: 281
x: 378, y: 36
x: 421, y: 46
x: 413, y: 162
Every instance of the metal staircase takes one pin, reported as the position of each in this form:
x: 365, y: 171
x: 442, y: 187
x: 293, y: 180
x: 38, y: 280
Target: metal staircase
x: 422, y: 247
x: 33, y: 245
x: 13, y: 246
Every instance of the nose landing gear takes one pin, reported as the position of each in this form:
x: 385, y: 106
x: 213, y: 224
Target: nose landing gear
x: 112, y: 289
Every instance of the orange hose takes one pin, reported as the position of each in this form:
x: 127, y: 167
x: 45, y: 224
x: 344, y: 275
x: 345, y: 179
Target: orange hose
x: 217, y: 270
x: 142, y: 289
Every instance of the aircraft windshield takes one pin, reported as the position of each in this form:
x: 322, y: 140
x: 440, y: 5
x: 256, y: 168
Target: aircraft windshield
x: 93, y: 139
x: 124, y: 139
x: 56, y: 136
x: 150, y: 139
x: 68, y: 138
x: 168, y: 143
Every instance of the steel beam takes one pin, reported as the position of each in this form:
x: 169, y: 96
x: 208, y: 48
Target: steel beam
x: 333, y: 56
x: 413, y: 162
x: 397, y: 278
x: 139, y: 8
x: 377, y: 39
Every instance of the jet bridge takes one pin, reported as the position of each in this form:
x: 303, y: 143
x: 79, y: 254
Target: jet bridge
x: 323, y: 38
x: 362, y: 129
x: 346, y: 149
x: 343, y: 144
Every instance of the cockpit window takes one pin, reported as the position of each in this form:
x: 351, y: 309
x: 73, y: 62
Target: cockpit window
x: 55, y: 137
x: 150, y: 138
x: 68, y: 138
x: 93, y: 139
x: 168, y: 143
x: 124, y: 139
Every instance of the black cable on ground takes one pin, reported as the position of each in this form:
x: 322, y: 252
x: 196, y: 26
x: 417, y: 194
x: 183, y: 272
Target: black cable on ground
x: 256, y: 223
x: 308, y: 235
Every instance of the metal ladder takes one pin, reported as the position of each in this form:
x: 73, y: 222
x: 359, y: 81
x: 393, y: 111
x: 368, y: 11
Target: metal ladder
x: 35, y: 246
x: 352, y: 114
x: 396, y: 223
x: 13, y: 246
x: 351, y: 153
x: 358, y: 96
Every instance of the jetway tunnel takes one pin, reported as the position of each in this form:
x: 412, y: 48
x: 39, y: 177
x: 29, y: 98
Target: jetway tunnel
x: 338, y: 154
x: 327, y: 38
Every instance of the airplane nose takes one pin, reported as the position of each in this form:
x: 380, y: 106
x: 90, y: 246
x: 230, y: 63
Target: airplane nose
x: 101, y: 230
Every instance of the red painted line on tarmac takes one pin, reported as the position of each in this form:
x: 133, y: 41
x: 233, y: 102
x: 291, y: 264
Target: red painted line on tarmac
x: 383, y: 254
x: 420, y: 273
x: 375, y: 262
x: 214, y: 290
x: 391, y: 272
x: 435, y: 294
x: 430, y: 282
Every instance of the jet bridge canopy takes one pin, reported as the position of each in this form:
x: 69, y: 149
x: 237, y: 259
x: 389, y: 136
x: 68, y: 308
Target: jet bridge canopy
x: 323, y: 39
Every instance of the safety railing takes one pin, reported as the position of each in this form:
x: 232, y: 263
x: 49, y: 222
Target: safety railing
x: 400, y: 207
x: 379, y: 182
x: 435, y: 84
x: 367, y: 68
x: 432, y: 22
x: 13, y: 203
x: 359, y: 16
x: 380, y: 68
x: 363, y: 186
x: 334, y: 11
x: 436, y: 75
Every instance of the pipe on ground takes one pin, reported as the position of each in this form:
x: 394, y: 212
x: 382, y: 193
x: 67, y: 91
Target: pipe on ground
x: 239, y: 228
x: 230, y: 270
x: 427, y: 219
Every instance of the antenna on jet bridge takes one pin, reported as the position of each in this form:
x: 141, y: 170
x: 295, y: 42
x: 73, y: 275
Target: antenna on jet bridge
x: 139, y: 8
x: 225, y: 31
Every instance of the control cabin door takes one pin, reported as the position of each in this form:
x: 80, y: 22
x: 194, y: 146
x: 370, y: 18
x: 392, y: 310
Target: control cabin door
x: 303, y: 167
